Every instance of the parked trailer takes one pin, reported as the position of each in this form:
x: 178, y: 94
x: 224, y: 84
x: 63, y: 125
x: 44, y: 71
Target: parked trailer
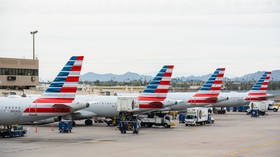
x: 198, y: 116
x: 13, y: 131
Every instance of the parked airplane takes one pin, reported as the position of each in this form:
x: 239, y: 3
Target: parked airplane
x: 154, y: 98
x: 227, y: 99
x: 208, y: 94
x: 257, y: 93
x: 58, y: 99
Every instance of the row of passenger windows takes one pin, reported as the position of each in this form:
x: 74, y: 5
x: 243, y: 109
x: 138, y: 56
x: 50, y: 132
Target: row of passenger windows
x: 13, y: 71
x: 10, y: 108
x: 104, y: 103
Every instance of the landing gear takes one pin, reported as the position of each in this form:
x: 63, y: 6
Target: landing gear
x: 88, y: 122
x: 73, y: 123
x: 221, y: 111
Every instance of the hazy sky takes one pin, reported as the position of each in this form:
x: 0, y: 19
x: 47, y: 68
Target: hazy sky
x: 117, y: 36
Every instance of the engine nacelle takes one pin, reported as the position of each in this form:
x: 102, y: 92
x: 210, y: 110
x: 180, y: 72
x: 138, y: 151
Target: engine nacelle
x: 220, y: 99
x: 170, y: 103
x: 46, y: 121
x: 79, y: 106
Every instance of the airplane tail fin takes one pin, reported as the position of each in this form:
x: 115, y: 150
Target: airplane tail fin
x: 259, y: 91
x: 157, y: 89
x: 62, y: 90
x: 209, y: 92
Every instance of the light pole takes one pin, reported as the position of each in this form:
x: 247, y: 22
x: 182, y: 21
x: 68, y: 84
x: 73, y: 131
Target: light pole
x: 33, y: 35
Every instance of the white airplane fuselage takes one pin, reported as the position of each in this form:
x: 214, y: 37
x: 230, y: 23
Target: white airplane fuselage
x: 103, y: 106
x: 106, y: 106
x: 12, y: 110
x: 225, y: 99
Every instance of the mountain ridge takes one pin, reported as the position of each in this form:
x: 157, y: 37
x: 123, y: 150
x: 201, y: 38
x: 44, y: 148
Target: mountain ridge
x: 132, y: 76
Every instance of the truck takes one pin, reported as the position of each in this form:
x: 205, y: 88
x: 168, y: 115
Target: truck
x: 198, y: 116
x: 273, y: 108
x: 261, y: 106
x: 12, y: 131
x: 157, y: 119
x: 126, y: 104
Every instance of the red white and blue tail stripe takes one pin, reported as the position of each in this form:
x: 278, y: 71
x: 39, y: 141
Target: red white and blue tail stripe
x: 156, y: 91
x: 61, y: 92
x: 259, y: 90
x: 209, y: 92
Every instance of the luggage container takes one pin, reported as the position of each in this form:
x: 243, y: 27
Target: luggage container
x: 255, y: 112
x: 65, y: 126
x: 182, y: 117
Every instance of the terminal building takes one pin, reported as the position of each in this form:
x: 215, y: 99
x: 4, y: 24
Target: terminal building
x: 18, y: 73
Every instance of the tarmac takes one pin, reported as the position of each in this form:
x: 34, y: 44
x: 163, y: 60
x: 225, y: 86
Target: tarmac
x: 232, y: 135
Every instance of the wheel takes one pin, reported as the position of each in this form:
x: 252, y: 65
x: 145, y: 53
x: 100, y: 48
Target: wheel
x: 275, y: 110
x: 144, y: 125
x: 147, y: 125
x: 73, y: 123
x: 108, y: 123
x: 88, y: 122
x: 166, y: 125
